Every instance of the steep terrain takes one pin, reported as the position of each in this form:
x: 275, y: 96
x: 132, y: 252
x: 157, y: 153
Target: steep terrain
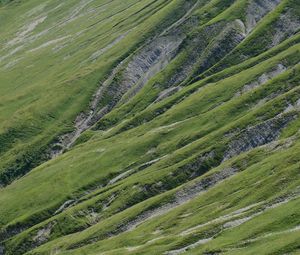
x: 150, y: 127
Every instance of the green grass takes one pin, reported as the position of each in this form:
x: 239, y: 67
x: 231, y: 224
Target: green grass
x: 161, y: 149
x: 50, y: 95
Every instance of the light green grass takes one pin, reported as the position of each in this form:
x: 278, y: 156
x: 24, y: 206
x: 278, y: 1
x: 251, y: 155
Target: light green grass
x: 165, y: 148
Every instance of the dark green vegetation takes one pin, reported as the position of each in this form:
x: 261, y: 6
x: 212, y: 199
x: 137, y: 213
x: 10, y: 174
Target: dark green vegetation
x: 150, y: 127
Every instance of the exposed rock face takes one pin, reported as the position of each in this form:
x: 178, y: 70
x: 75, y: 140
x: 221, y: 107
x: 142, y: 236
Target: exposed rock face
x: 287, y: 25
x: 204, y: 184
x: 256, y: 10
x: 135, y: 71
x: 264, y: 78
x: 230, y: 36
x: 258, y: 135
x: 152, y: 59
x: 179, y: 159
x: 195, y: 46
x: 66, y: 205
x: 181, y: 197
x: 2, y: 250
x: 293, y: 107
x: 43, y: 234
x: 260, y: 36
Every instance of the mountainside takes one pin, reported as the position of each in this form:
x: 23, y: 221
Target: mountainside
x: 149, y: 127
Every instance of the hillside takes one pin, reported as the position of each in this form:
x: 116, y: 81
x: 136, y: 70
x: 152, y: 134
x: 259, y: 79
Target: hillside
x: 149, y: 127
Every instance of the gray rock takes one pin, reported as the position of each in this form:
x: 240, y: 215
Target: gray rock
x: 257, y: 135
x: 256, y: 10
x: 2, y: 252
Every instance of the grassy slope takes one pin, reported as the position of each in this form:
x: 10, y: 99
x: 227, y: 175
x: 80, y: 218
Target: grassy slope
x: 46, y: 104
x: 187, y: 136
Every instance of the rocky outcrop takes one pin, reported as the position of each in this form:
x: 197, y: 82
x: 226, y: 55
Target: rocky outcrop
x: 257, y: 135
x: 287, y: 25
x: 256, y: 10
x: 125, y: 81
x: 203, y: 184
x: 262, y: 79
x: 132, y: 187
x: 2, y: 250
x: 151, y: 60
x: 181, y: 197
x: 43, y: 234
x: 65, y: 205
x: 232, y: 34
